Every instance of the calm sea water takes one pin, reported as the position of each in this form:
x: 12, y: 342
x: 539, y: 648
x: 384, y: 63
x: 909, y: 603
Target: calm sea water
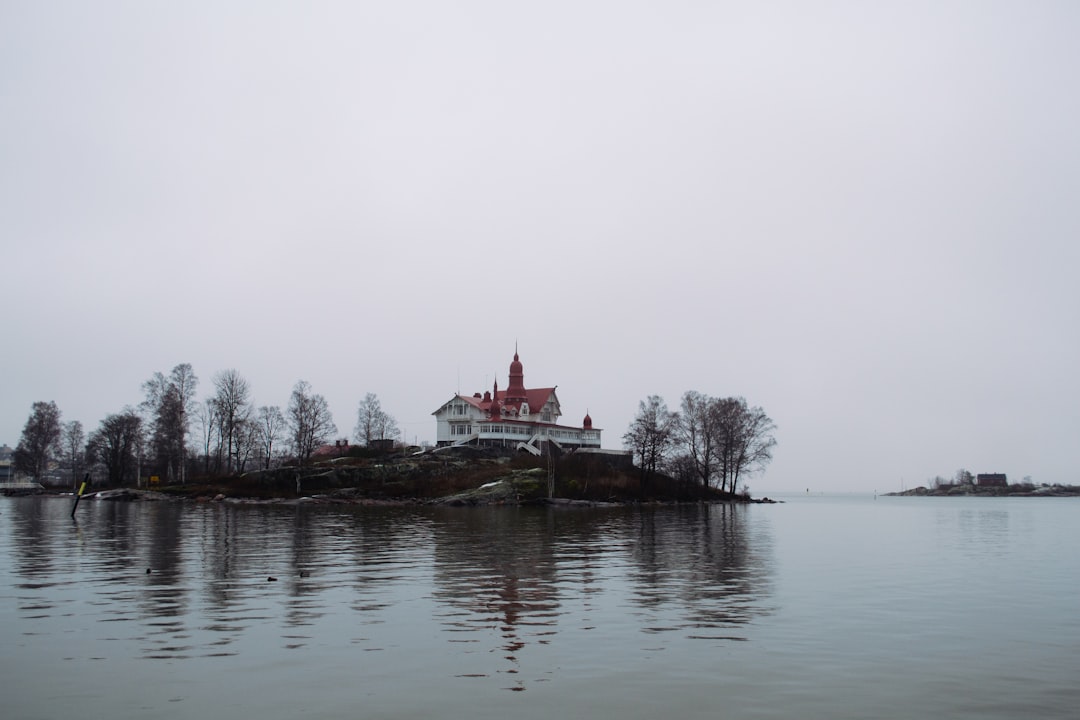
x: 821, y: 607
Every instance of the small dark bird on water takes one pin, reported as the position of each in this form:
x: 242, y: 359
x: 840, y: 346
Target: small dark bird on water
x: 271, y: 579
x: 303, y: 573
x: 148, y: 571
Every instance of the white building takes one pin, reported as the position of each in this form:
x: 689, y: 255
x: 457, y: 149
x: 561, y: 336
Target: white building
x: 517, y: 417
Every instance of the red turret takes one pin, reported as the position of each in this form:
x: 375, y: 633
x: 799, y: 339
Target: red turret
x: 494, y: 408
x: 515, y: 391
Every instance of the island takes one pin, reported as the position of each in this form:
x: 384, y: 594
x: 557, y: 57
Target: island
x: 454, y: 475
x: 1017, y: 490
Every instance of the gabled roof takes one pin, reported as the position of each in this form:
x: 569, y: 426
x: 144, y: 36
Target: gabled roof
x: 536, y: 397
x: 512, y: 398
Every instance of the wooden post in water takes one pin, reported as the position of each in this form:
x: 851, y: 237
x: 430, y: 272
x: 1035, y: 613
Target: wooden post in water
x: 82, y: 489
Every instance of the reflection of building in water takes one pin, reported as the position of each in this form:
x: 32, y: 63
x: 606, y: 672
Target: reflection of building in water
x: 494, y: 571
x: 517, y: 417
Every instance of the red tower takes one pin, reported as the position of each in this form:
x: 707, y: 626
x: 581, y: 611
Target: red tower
x: 515, y: 391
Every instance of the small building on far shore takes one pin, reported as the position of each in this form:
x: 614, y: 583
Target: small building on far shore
x: 991, y: 480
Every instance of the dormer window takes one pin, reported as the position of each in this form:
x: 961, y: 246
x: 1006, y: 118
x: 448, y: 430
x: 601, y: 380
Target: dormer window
x: 524, y: 408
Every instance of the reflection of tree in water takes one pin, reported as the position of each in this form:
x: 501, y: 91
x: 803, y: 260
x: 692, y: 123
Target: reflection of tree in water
x: 303, y: 529
x: 238, y: 548
x: 32, y: 523
x: 382, y: 553
x: 701, y: 562
x: 132, y: 552
x: 521, y: 572
x: 368, y: 552
x: 40, y: 561
x: 217, y: 537
x: 495, y: 571
x: 163, y: 597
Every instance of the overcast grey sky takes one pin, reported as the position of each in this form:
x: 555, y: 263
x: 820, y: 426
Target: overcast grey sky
x: 861, y: 216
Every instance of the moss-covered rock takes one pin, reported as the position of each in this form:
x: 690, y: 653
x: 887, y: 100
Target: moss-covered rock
x: 515, y: 487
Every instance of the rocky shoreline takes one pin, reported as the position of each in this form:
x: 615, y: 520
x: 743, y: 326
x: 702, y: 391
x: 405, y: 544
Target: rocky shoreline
x: 460, y: 480
x: 454, y: 477
x: 503, y: 494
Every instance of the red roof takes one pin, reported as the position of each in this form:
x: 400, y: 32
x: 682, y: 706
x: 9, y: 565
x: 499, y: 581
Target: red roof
x: 514, y: 396
x: 536, y: 397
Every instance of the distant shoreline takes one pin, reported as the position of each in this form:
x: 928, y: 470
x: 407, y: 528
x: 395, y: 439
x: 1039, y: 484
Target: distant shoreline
x: 1024, y: 490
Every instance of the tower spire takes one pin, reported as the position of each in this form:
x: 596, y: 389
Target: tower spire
x: 515, y: 390
x: 494, y: 407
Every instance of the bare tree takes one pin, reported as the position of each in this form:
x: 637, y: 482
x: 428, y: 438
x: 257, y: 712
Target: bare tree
x: 372, y: 422
x: 247, y: 442
x: 73, y: 440
x: 310, y: 421
x: 40, y: 441
x: 651, y: 435
x: 271, y: 432
x: 206, y: 415
x: 746, y: 440
x: 163, y: 410
x: 116, y: 445
x: 232, y: 407
x: 697, y: 434
x: 724, y: 438
x: 185, y: 383
x: 681, y: 467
